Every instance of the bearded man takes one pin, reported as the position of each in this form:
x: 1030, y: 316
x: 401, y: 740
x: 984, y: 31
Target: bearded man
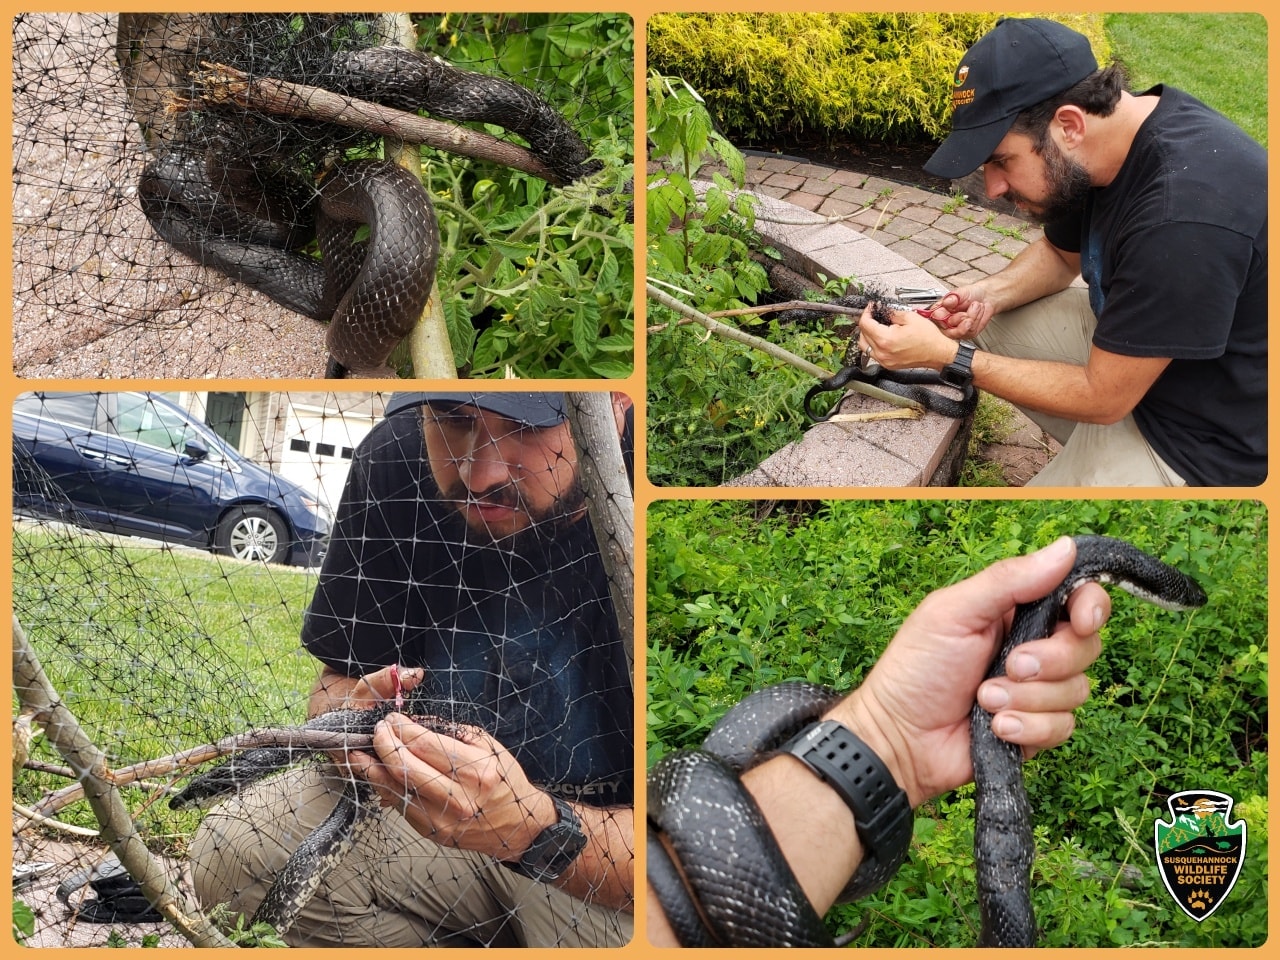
x: 1154, y: 372
x: 463, y: 570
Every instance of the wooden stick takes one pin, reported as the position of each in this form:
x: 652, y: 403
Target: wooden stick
x: 775, y: 351
x: 790, y: 305
x: 429, y: 349
x: 66, y: 735
x: 610, y: 501
x: 224, y: 84
x: 57, y: 800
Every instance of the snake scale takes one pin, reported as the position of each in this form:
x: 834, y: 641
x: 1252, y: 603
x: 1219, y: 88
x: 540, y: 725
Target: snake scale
x: 239, y: 194
x: 734, y: 888
x: 330, y: 842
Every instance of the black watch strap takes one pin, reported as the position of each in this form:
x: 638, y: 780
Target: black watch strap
x: 959, y: 372
x: 554, y: 848
x: 880, y: 807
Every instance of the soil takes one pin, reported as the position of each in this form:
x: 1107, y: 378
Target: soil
x: 902, y: 163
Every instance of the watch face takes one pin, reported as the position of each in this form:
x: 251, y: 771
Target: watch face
x: 555, y: 847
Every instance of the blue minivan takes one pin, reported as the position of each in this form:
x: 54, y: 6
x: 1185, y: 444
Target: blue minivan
x: 137, y: 464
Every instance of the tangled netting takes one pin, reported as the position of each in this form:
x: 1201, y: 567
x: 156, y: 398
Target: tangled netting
x: 169, y: 656
x: 97, y: 97
x: 717, y: 409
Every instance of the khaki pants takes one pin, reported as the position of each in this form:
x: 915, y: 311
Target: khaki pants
x: 1060, y: 328
x: 394, y: 889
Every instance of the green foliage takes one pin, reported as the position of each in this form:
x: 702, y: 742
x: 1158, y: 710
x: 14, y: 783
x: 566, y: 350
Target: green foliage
x: 697, y: 243
x: 1179, y: 701
x: 537, y: 281
x: 241, y: 932
x: 716, y: 408
x: 118, y: 941
x: 24, y: 921
x: 992, y: 423
x: 879, y: 76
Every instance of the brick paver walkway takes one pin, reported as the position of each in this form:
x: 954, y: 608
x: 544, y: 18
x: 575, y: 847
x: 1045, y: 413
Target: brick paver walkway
x: 952, y: 240
x: 956, y: 241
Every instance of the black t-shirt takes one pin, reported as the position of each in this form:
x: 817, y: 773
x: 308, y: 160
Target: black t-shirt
x: 525, y: 645
x: 1175, y: 254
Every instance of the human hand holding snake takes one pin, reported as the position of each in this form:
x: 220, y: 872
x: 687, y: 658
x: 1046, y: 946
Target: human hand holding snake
x: 466, y: 791
x: 913, y: 710
x: 915, y: 703
x: 909, y: 341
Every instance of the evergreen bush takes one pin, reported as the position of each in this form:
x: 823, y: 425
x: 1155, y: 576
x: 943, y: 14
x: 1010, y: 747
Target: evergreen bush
x: 876, y: 76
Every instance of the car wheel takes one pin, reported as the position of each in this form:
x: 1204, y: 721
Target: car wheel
x: 252, y: 533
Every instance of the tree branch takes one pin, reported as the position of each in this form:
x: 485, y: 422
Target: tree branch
x: 224, y: 84
x: 773, y: 350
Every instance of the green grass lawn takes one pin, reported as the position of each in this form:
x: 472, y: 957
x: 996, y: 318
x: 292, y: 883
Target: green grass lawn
x: 1219, y: 58
x: 155, y: 650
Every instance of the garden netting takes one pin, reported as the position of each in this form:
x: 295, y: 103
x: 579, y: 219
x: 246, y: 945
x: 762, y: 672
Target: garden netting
x: 166, y: 654
x: 533, y: 278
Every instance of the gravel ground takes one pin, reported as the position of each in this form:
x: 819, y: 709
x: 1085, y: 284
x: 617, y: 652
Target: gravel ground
x: 57, y: 925
x: 96, y: 292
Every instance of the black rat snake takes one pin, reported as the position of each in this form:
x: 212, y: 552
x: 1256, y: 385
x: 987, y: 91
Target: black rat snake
x: 909, y: 384
x: 733, y: 886
x: 330, y: 842
x: 235, y: 192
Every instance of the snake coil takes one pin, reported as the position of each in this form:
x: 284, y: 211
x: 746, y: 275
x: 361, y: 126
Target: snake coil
x: 240, y: 195
x: 734, y: 888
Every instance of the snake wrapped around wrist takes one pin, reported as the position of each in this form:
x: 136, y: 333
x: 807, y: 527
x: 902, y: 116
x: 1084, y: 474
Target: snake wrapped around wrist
x: 718, y: 873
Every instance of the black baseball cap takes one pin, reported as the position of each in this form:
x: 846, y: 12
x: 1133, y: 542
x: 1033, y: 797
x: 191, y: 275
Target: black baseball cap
x: 534, y: 409
x: 1018, y: 64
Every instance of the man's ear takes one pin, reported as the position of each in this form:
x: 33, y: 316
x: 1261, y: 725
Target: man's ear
x: 1072, y: 123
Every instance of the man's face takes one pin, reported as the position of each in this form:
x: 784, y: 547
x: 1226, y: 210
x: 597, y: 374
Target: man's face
x: 1045, y: 186
x: 504, y: 477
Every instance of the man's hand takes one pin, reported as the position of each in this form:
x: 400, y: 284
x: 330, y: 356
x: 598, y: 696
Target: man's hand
x: 909, y: 341
x: 470, y: 794
x: 964, y: 312
x: 915, y: 703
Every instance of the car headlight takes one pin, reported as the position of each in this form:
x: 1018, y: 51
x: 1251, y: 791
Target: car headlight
x: 319, y: 508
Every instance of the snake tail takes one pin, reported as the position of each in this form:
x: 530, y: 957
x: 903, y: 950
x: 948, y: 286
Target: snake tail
x: 314, y: 859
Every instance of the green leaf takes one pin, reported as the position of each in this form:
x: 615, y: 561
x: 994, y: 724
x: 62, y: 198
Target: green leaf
x: 519, y: 252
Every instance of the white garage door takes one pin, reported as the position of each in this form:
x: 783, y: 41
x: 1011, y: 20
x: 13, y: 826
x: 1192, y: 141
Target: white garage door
x: 318, y: 447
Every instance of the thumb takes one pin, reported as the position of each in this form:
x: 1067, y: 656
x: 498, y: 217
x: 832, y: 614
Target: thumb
x: 989, y: 594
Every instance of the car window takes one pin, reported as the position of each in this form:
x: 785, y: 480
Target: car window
x: 74, y: 409
x: 141, y: 419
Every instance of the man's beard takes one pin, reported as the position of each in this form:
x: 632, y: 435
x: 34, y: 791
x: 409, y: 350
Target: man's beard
x: 544, y: 525
x: 1068, y: 185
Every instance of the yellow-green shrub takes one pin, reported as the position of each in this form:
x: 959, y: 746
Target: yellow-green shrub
x: 878, y: 76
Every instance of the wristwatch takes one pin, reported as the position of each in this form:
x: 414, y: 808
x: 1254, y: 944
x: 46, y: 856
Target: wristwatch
x: 959, y: 372
x: 882, y: 814
x: 554, y: 848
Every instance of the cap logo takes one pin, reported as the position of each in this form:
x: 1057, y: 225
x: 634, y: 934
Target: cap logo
x: 962, y: 74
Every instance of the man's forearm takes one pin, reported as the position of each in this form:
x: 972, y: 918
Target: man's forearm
x: 1103, y: 391
x: 1039, y: 270
x: 604, y: 872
